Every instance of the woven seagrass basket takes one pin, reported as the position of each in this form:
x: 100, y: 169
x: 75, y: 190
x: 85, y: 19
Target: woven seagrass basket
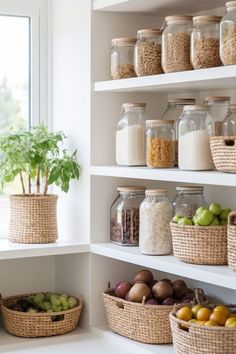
x: 231, y: 234
x: 200, y: 244
x: 23, y: 324
x: 33, y: 218
x: 190, y: 338
x: 223, y: 151
x: 143, y: 323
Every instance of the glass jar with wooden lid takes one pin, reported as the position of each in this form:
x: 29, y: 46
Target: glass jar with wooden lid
x: 122, y: 58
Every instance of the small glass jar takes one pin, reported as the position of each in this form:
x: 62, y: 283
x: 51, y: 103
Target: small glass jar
x: 188, y: 200
x: 229, y: 124
x: 218, y: 107
x: 205, y: 42
x: 176, y: 44
x: 155, y: 217
x: 195, y: 129
x: 147, y: 54
x: 122, y: 58
x: 228, y: 35
x: 130, y: 135
x: 125, y: 216
x: 160, y: 143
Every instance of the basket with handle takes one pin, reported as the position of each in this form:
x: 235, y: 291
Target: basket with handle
x: 231, y: 235
x: 223, y: 149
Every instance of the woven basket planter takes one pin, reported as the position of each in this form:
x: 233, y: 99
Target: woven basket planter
x: 223, y: 151
x: 143, y: 323
x: 231, y: 234
x: 200, y: 244
x: 190, y: 338
x: 33, y: 218
x: 23, y: 324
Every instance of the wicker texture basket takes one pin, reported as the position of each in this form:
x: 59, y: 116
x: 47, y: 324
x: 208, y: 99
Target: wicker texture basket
x: 200, y: 244
x: 190, y: 338
x: 23, y: 324
x: 33, y: 219
x: 231, y: 234
x: 143, y: 323
x: 223, y: 151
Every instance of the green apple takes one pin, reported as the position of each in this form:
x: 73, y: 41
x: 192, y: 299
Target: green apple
x: 215, y: 221
x: 46, y: 305
x: 224, y: 214
x: 72, y: 302
x: 205, y: 218
x: 176, y: 218
x: 185, y: 221
x: 200, y: 209
x: 224, y: 222
x: 195, y: 220
x: 215, y: 209
x: 31, y: 310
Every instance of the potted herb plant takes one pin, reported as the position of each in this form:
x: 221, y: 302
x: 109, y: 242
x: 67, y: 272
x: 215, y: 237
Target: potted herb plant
x: 37, y: 159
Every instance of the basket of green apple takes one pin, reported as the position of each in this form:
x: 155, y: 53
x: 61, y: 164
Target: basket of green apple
x: 202, y: 239
x: 41, y: 314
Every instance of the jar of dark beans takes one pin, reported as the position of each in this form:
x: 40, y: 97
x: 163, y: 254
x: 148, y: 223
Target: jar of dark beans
x: 125, y: 216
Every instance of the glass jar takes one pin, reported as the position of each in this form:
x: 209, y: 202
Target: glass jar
x: 176, y: 44
x: 155, y: 217
x: 122, y: 58
x: 130, y: 135
x: 160, y: 143
x: 188, y: 200
x: 218, y: 107
x: 229, y: 124
x: 205, y: 42
x: 195, y: 128
x: 228, y: 35
x: 125, y: 216
x: 147, y: 53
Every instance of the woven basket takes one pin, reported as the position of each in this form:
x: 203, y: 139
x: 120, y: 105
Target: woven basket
x: 33, y: 218
x: 23, y: 324
x: 223, y: 151
x: 143, y: 323
x: 231, y: 234
x: 200, y: 244
x: 190, y: 338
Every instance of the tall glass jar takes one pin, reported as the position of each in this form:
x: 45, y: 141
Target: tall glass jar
x: 130, y: 135
x: 155, y: 217
x: 147, y: 54
x: 124, y: 216
x: 195, y: 128
x: 218, y: 107
x: 228, y: 35
x: 229, y: 124
x: 176, y: 44
x: 122, y: 58
x: 205, y: 42
x: 160, y: 143
x: 188, y: 200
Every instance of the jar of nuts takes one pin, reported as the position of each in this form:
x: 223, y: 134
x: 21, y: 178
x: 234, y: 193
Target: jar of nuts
x: 176, y: 44
x: 147, y: 53
x: 124, y: 224
x: 205, y: 42
x: 122, y: 58
x: 160, y: 143
x: 228, y: 35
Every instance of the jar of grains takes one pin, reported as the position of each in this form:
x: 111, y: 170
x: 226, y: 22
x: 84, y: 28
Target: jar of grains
x: 173, y: 111
x: 229, y: 124
x: 218, y: 107
x: 122, y: 58
x: 176, y: 44
x: 205, y: 42
x: 155, y: 217
x: 125, y: 216
x: 195, y: 128
x: 147, y: 54
x: 160, y: 143
x: 130, y: 135
x: 228, y: 35
x: 188, y: 200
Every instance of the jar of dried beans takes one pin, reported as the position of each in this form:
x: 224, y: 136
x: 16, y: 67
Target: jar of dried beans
x: 176, y: 44
x: 160, y: 143
x: 122, y: 58
x: 228, y: 35
x: 155, y: 217
x: 205, y: 42
x: 147, y: 54
x: 125, y: 216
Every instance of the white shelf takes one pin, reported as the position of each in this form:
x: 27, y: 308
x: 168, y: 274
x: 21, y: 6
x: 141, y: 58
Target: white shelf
x: 169, y: 175
x: 216, y: 275
x: 9, y: 250
x: 160, y: 7
x: 195, y: 80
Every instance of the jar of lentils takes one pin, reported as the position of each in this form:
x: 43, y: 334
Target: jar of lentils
x: 228, y: 35
x: 122, y: 58
x: 147, y: 54
x: 124, y: 216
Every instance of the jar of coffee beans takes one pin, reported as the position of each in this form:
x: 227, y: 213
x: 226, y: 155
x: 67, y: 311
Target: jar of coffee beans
x: 124, y: 214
